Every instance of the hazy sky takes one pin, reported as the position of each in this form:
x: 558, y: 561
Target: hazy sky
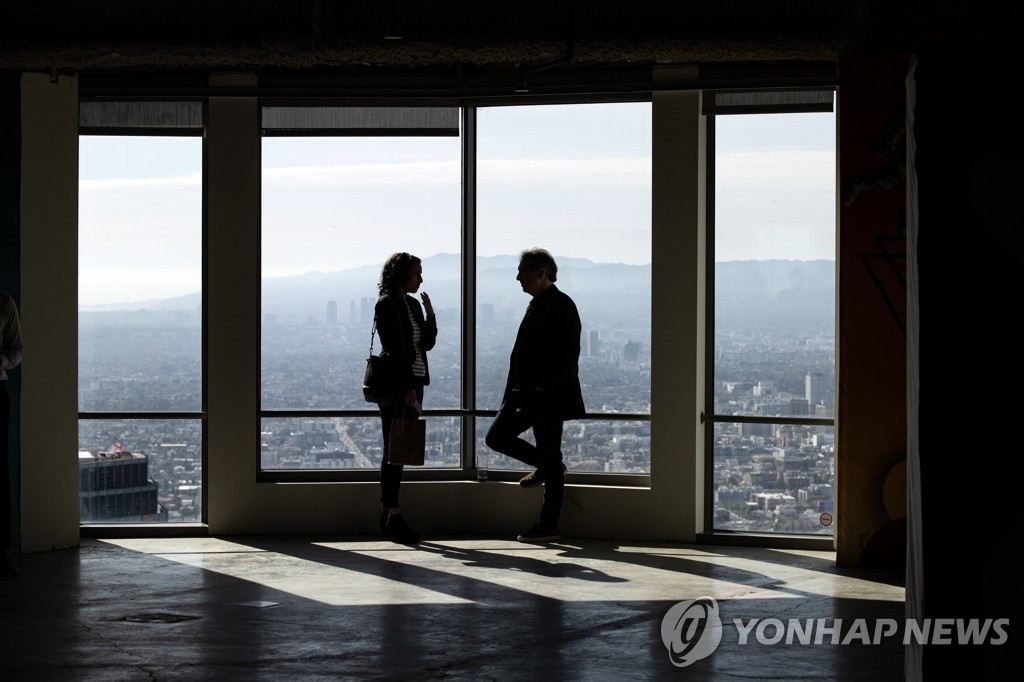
x: 572, y: 178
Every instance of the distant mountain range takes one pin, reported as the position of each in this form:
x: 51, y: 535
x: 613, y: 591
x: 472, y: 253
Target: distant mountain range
x: 748, y: 292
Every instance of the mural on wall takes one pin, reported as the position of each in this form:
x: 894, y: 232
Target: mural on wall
x: 871, y: 377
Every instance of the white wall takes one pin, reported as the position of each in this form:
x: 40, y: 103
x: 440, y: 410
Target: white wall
x: 49, y: 313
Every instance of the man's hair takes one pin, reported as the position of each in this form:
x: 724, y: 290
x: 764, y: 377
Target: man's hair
x: 539, y: 258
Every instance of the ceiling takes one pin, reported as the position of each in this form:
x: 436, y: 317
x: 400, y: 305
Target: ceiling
x: 494, y: 37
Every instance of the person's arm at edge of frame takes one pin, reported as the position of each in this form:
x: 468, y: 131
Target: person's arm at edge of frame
x: 10, y: 336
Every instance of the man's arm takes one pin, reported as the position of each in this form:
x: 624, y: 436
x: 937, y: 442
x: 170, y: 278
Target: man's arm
x: 562, y: 355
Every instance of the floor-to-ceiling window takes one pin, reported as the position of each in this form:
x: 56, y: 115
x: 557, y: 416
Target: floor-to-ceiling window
x: 140, y: 283
x: 342, y: 189
x: 337, y: 199
x: 574, y: 179
x: 772, y: 347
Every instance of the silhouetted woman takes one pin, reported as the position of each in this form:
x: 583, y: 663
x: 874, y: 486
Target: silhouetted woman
x: 406, y: 334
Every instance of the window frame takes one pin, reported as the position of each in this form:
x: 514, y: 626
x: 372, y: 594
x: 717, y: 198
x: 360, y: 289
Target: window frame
x: 467, y: 412
x: 116, y: 130
x: 617, y: 479
x: 708, y: 418
x: 370, y: 474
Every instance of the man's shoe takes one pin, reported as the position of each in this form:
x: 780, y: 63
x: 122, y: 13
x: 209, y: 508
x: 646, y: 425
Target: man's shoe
x: 398, y: 530
x: 384, y: 521
x: 536, y: 477
x: 540, y: 532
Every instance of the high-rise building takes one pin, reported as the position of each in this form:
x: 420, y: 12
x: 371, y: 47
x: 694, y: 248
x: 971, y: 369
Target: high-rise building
x: 814, y: 387
x: 332, y: 312
x: 798, y: 407
x: 366, y: 310
x: 115, y: 486
x: 593, y: 343
x: 762, y: 430
x: 631, y: 353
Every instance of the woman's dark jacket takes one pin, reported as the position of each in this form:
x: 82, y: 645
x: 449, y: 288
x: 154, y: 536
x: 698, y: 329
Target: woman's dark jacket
x: 395, y: 333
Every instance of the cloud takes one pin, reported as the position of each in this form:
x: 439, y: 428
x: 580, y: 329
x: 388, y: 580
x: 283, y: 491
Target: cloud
x: 520, y: 171
x: 772, y: 168
x: 523, y: 172
x: 567, y: 171
x: 193, y: 179
x: 434, y: 172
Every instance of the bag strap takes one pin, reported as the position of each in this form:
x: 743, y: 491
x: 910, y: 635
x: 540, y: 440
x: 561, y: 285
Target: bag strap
x: 373, y: 330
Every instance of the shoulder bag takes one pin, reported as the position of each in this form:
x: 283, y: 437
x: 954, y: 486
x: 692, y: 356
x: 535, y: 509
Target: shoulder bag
x: 380, y: 380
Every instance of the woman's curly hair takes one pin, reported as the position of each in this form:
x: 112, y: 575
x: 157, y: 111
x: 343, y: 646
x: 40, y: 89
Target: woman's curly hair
x: 395, y: 272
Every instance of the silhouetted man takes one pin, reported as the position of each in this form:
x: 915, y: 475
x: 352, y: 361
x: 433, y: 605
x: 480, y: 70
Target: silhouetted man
x: 543, y: 388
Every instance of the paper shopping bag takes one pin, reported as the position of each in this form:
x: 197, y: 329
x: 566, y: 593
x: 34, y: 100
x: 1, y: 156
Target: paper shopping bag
x: 407, y: 441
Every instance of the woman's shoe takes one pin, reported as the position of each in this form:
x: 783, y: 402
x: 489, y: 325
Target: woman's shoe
x: 398, y: 530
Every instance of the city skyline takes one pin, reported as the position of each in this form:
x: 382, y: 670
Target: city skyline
x: 496, y: 275
x: 575, y: 179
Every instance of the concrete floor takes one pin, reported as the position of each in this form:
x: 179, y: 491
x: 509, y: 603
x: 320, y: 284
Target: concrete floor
x: 329, y: 608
